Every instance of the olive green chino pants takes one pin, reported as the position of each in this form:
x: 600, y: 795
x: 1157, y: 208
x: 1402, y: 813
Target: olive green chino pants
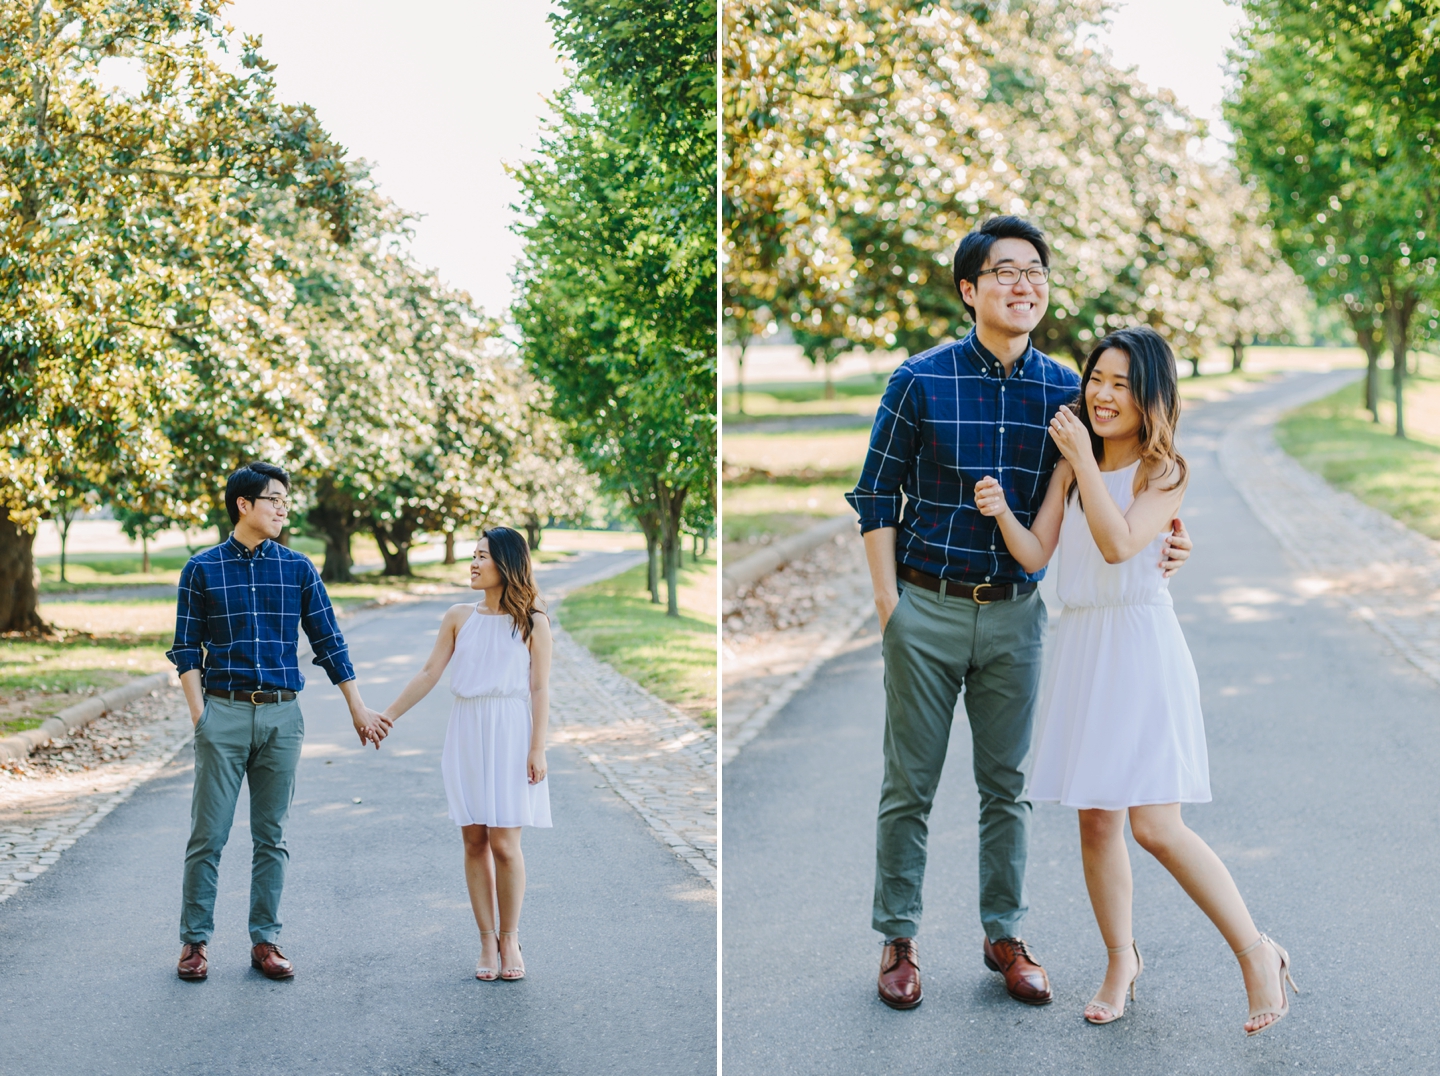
x: 935, y: 647
x: 235, y: 741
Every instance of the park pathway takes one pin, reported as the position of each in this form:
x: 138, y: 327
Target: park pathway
x: 619, y: 926
x: 1324, y: 739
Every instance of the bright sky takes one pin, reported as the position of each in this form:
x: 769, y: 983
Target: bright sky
x: 438, y: 95
x: 1179, y: 46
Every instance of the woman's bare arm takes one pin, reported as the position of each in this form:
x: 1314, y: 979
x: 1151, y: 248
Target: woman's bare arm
x: 1032, y: 548
x: 429, y: 675
x: 1121, y: 535
x: 541, y: 647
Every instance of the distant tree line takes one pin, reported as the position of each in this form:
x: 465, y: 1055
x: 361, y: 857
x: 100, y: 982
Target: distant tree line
x: 864, y: 138
x: 196, y: 275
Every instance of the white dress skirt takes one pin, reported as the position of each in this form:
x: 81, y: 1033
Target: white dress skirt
x: 487, y: 743
x: 1119, y: 722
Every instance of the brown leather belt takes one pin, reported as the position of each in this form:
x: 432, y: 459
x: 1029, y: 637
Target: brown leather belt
x: 992, y: 592
x: 253, y: 698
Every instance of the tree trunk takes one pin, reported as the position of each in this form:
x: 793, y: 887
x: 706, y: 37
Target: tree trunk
x: 449, y: 547
x: 532, y: 531
x: 1195, y: 366
x: 1371, y: 341
x: 1401, y: 311
x: 144, y: 553
x: 829, y: 380
x: 398, y: 534
x: 1237, y: 354
x: 65, y: 521
x: 643, y: 509
x: 338, y: 563
x: 672, y: 504
x: 740, y: 385
x: 19, y: 601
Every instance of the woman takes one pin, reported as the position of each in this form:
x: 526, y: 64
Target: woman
x: 1120, y: 724
x: 494, y: 757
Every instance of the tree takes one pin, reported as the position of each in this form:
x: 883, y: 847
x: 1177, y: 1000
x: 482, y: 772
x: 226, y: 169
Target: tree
x: 1334, y: 112
x: 139, y: 525
x: 617, y: 280
x: 127, y: 236
x: 865, y: 139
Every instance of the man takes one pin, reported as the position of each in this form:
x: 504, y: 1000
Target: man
x: 969, y: 616
x: 244, y: 602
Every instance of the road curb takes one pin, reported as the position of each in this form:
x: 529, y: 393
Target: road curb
x: 72, y: 718
x: 759, y: 564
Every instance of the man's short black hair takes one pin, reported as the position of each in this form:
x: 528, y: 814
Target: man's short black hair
x: 251, y: 481
x: 970, y: 255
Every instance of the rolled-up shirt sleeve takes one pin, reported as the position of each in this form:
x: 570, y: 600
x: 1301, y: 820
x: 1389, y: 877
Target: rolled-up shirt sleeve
x: 190, y: 621
x: 877, y: 494
x: 317, y: 617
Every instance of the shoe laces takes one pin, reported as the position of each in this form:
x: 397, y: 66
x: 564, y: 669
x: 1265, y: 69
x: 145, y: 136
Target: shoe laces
x: 905, y: 949
x: 1018, y: 948
x: 194, y: 948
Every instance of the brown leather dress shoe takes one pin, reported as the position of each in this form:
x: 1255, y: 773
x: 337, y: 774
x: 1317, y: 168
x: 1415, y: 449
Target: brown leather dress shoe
x: 900, y: 974
x: 269, y: 961
x: 1025, y: 979
x: 193, y: 966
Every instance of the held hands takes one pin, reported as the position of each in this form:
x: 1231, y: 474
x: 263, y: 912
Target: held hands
x: 990, y: 498
x: 535, y: 765
x: 371, y: 725
x: 1071, y: 437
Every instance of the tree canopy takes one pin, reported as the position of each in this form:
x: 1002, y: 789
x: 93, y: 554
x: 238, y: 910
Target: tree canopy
x: 1335, y: 116
x: 617, y: 280
x: 864, y: 140
x: 195, y: 275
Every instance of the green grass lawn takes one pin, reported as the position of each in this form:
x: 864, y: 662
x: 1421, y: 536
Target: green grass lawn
x: 674, y: 657
x: 42, y: 677
x: 1335, y: 438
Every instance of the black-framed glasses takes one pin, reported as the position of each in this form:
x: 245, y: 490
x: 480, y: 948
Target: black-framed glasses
x: 281, y: 503
x: 1008, y: 275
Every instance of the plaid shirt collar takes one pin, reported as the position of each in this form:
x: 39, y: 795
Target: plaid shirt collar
x: 237, y: 548
x: 987, y: 365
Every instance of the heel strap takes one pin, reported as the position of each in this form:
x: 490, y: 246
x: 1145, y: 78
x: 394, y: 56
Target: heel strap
x: 1121, y: 949
x: 1251, y: 947
x: 484, y: 932
x: 510, y: 933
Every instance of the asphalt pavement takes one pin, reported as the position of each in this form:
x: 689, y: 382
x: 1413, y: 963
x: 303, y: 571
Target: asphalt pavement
x: 1324, y: 749
x: 618, y: 934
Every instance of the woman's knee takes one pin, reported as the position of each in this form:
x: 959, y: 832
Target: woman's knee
x: 1156, y: 831
x: 1098, y: 827
x: 476, y: 838
x: 505, y: 845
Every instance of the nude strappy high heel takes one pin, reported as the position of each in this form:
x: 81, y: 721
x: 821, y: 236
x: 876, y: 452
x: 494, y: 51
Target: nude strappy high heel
x: 511, y: 974
x: 484, y: 974
x: 1115, y: 1014
x: 1284, y: 1009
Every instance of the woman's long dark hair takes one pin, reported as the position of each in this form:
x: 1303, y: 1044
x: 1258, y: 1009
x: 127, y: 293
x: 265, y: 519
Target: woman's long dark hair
x: 1155, y: 387
x: 519, y: 597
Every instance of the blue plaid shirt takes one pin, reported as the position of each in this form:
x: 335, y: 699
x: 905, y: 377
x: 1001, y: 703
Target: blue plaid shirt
x: 948, y: 418
x: 246, y: 609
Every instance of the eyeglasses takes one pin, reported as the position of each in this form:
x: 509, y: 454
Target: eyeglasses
x: 282, y: 504
x: 1007, y: 275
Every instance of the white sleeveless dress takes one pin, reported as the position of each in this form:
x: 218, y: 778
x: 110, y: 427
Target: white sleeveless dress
x: 487, y: 742
x: 1119, y: 722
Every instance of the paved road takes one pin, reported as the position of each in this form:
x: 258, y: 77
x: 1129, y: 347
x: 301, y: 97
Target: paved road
x: 1324, y: 745
x: 619, y: 934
